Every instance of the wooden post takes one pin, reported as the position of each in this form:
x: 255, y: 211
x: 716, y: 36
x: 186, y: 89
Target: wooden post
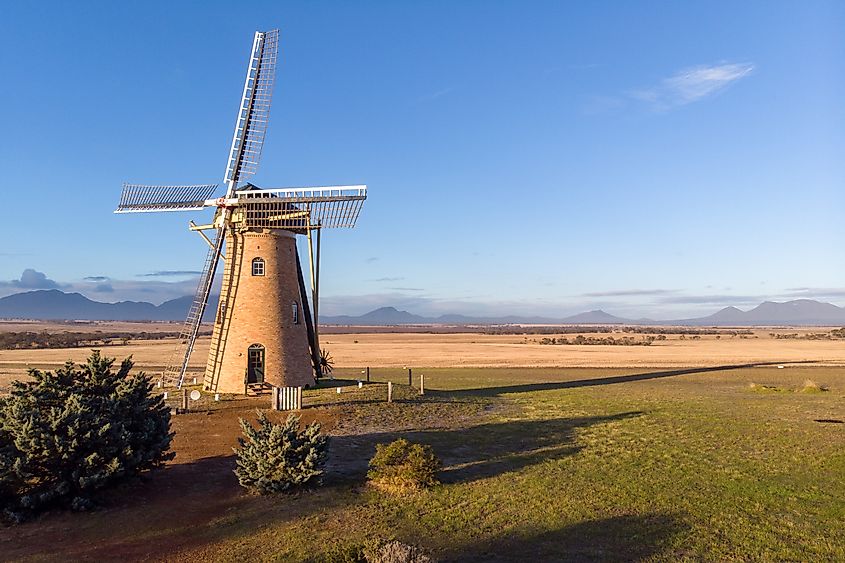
x: 422, y: 384
x: 299, y: 398
x: 368, y: 374
x: 409, y: 377
x: 389, y: 391
x: 275, y: 398
x: 184, y: 400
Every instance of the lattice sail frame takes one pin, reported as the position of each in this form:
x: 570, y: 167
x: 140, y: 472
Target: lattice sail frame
x: 300, y: 208
x: 254, y: 114
x: 138, y: 198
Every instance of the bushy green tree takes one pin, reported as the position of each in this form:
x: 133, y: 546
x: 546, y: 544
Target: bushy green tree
x: 402, y: 466
x: 276, y: 457
x: 66, y: 434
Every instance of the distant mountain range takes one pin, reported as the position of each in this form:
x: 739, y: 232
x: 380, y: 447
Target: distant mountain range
x: 800, y: 312
x: 54, y: 305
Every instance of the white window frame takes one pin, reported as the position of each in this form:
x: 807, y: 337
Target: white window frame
x: 261, y: 266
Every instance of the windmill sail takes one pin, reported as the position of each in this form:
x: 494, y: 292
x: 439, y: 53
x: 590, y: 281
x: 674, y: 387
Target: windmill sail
x: 250, y: 128
x: 254, y: 114
x: 137, y: 198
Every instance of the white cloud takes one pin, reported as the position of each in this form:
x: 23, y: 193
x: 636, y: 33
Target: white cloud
x: 31, y: 279
x: 693, y: 84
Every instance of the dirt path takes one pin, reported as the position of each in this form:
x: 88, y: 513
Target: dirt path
x: 154, y: 518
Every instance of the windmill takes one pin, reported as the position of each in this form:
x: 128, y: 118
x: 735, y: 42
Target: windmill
x: 264, y: 330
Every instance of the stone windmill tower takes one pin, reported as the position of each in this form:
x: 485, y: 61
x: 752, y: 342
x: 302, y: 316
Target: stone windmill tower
x: 265, y: 332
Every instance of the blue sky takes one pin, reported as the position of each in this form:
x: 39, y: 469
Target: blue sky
x: 661, y: 159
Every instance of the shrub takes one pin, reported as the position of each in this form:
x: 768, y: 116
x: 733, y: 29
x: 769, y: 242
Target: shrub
x: 275, y: 457
x: 811, y: 386
x: 398, y: 552
x: 401, y: 466
x: 377, y: 550
x: 68, y: 434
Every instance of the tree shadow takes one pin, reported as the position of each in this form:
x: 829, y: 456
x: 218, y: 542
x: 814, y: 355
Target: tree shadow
x: 473, y: 453
x: 618, y: 538
x: 531, y: 387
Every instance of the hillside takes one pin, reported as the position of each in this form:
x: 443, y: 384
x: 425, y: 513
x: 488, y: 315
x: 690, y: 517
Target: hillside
x: 53, y: 304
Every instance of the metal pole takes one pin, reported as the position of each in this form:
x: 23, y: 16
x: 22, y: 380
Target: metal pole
x: 409, y: 377
x: 316, y: 294
x: 309, y: 324
x: 315, y: 289
x: 422, y: 384
x: 311, y: 258
x: 368, y: 374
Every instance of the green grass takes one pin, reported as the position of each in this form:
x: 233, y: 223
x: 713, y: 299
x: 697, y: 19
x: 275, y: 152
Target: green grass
x: 574, y: 464
x: 689, y: 466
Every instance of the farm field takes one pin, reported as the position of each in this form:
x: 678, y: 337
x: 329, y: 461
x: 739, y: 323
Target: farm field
x: 539, y: 463
x: 473, y: 349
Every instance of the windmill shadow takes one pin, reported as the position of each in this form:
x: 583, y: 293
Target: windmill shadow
x: 477, y: 452
x: 611, y: 380
x: 618, y: 538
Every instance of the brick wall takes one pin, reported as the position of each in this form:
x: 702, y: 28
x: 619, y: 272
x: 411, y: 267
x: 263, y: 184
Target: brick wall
x: 259, y: 311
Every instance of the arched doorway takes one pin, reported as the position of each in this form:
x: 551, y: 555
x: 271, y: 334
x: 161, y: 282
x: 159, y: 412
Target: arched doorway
x: 255, y: 364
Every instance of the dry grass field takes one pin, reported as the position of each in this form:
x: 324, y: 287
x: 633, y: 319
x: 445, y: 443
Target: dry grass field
x: 483, y: 350
x: 379, y: 349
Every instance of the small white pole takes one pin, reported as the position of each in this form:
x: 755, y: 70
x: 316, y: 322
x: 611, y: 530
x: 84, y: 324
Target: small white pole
x: 360, y: 384
x: 389, y: 391
x: 165, y: 395
x: 422, y: 384
x: 195, y: 381
x: 217, y: 396
x: 338, y: 390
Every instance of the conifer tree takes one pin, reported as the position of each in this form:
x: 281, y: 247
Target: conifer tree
x: 66, y: 434
x: 276, y: 457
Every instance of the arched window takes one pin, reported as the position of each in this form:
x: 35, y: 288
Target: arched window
x: 258, y: 266
x: 295, y: 310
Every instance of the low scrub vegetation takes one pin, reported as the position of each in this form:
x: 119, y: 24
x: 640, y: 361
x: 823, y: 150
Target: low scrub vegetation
x: 67, y: 339
x: 44, y: 339
x: 607, y: 329
x: 376, y: 551
x: 582, y: 340
x: 402, y: 466
x: 835, y: 334
x: 66, y: 435
x: 809, y: 386
x: 274, y: 458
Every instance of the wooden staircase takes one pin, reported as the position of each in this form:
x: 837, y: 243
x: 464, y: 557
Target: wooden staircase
x: 258, y: 389
x: 223, y: 319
